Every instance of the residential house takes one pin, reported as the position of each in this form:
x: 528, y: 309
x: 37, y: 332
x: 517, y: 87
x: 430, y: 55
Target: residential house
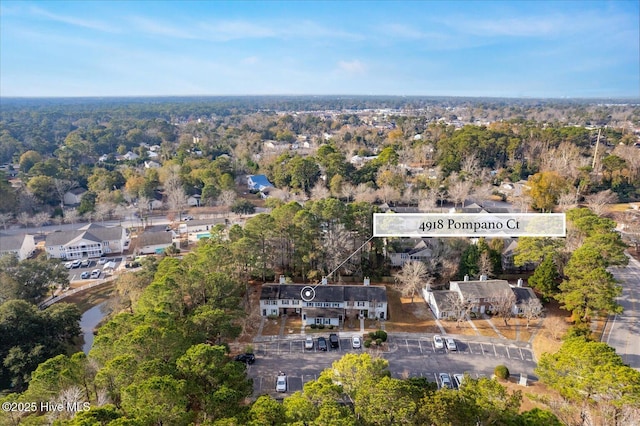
x: 73, y: 197
x: 258, y: 182
x: 359, y: 161
x: 130, y: 156
x: 198, y: 229
x: 194, y: 200
x: 481, y: 294
x: 508, y: 256
x: 22, y: 245
x: 151, y: 165
x: 153, y: 241
x: 331, y: 305
x: 420, y: 251
x: 88, y: 241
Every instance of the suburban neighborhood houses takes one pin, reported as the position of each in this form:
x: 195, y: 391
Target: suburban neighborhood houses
x: 243, y: 243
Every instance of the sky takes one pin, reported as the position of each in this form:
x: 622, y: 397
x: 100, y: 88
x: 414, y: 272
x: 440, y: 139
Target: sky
x: 539, y: 49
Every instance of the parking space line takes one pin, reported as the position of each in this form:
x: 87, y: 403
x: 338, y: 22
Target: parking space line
x: 406, y: 342
x: 420, y: 345
x: 508, y: 354
x: 469, y: 346
x: 495, y: 353
x: 521, y: 355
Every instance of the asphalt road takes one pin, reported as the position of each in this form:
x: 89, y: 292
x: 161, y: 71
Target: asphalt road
x: 408, y: 357
x: 623, y: 331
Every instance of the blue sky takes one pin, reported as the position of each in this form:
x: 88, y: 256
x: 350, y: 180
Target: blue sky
x: 431, y: 48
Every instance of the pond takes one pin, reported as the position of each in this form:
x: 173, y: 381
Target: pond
x: 89, y: 321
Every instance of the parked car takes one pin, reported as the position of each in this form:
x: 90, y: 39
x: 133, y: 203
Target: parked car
x: 308, y: 343
x: 438, y: 342
x: 322, y: 344
x: 334, y: 341
x: 95, y: 273
x: 134, y: 264
x: 85, y: 263
x: 247, y: 358
x: 451, y: 344
x: 356, y: 342
x: 68, y: 265
x: 188, y: 218
x: 458, y: 379
x: 85, y: 275
x: 445, y: 381
x: 281, y: 382
x: 102, y: 261
x: 76, y: 264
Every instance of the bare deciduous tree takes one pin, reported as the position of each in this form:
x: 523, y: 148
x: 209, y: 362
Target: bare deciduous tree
x: 388, y: 194
x: 4, y: 218
x: 71, y: 216
x: 412, y: 278
x: 459, y: 191
x: 62, y: 186
x: 337, y: 247
x: 40, y: 219
x: 599, y: 201
x: 567, y: 201
x: 485, y: 264
x: 532, y: 309
x: 459, y: 308
x: 348, y: 191
x: 428, y: 200
x: 227, y: 198
x: 23, y: 219
x: 319, y: 191
x: 176, y: 196
x: 364, y: 193
x: 503, y: 306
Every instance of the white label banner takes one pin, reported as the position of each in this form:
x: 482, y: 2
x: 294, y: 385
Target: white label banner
x: 469, y: 225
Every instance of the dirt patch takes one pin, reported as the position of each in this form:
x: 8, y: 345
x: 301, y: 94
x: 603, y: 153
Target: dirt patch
x: 271, y: 327
x: 292, y: 325
x: 408, y: 317
x: 532, y: 394
x: 554, y: 326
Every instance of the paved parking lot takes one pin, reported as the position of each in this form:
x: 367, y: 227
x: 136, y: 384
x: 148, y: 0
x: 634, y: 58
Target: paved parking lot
x: 75, y: 273
x: 408, y: 357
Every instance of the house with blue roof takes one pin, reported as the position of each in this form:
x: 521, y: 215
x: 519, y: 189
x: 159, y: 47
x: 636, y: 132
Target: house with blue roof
x: 258, y: 183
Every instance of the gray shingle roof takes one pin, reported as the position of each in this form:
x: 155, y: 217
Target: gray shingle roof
x: 11, y: 242
x: 325, y: 293
x: 153, y: 238
x: 91, y: 232
x: 472, y: 290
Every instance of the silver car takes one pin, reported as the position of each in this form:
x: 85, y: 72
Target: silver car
x: 281, y: 382
x: 308, y: 343
x: 445, y: 381
x: 438, y: 342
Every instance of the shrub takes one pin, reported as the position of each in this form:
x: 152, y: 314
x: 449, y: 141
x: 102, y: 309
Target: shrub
x: 501, y: 372
x: 378, y: 342
x: 321, y: 326
x: 367, y: 343
x: 330, y: 327
x: 313, y: 326
x: 379, y: 334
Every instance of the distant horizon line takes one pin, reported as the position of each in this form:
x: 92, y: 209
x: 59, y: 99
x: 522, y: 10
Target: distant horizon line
x: 637, y: 98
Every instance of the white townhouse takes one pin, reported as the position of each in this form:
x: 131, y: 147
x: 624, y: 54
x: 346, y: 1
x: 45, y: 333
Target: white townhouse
x: 198, y: 229
x: 90, y: 241
x: 22, y: 245
x: 332, y: 304
x: 480, y: 295
x: 153, y: 242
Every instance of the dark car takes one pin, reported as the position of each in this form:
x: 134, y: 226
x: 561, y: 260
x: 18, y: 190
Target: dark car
x: 322, y: 344
x: 334, y: 341
x: 246, y: 358
x: 134, y: 264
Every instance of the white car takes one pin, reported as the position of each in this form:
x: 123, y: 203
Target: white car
x: 68, y: 265
x: 451, y: 344
x: 308, y: 343
x: 102, y: 261
x: 458, y: 379
x: 95, y: 273
x: 281, y: 382
x: 356, y: 343
x: 438, y: 342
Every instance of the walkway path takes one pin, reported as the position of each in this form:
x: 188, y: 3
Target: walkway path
x: 494, y: 328
x: 59, y: 297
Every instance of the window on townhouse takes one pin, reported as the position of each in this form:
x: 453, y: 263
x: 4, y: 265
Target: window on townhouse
x: 360, y: 303
x: 285, y: 302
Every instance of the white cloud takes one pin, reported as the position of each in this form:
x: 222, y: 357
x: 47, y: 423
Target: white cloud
x: 78, y: 22
x: 164, y: 29
x: 352, y: 67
